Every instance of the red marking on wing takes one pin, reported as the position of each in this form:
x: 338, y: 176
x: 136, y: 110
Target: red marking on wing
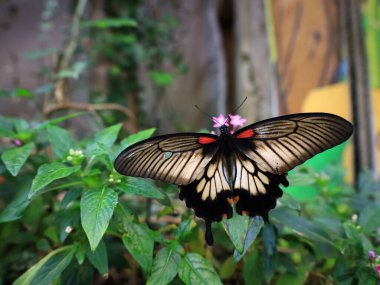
x: 206, y: 140
x: 246, y: 134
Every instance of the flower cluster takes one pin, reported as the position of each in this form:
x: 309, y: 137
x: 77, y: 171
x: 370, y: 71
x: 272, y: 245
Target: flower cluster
x: 234, y: 120
x: 374, y: 260
x: 114, y: 177
x: 75, y: 157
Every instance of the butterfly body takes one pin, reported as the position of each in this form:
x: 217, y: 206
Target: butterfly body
x: 244, y: 169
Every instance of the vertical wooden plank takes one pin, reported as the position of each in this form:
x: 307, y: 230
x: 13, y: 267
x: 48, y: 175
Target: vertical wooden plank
x: 255, y: 71
x: 364, y: 140
x: 308, y: 47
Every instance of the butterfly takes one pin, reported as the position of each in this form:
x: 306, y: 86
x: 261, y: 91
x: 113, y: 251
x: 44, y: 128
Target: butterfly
x: 242, y: 170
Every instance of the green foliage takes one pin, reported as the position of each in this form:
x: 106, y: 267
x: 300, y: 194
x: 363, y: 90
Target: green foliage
x: 81, y: 218
x: 66, y: 217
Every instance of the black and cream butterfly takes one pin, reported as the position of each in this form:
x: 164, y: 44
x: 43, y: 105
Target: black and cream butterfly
x: 243, y: 169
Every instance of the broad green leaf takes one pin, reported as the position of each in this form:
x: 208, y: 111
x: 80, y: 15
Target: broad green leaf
x: 99, y: 258
x: 108, y: 136
x: 194, y: 269
x: 369, y: 218
x: 76, y: 274
x: 269, y: 238
x: 139, y: 242
x: 300, y: 225
x: 270, y: 264
x: 48, y: 268
x: 14, y: 210
x: 254, y: 227
x: 242, y: 231
x: 165, y: 266
x: 236, y: 228
x: 288, y: 201
x: 132, y: 139
x: 70, y: 196
x: 15, y: 158
x: 140, y: 187
x: 60, y: 140
x: 48, y: 173
x: 97, y: 207
x: 253, y: 272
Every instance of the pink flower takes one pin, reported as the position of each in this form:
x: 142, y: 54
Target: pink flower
x: 378, y: 269
x: 17, y: 142
x: 371, y: 255
x: 237, y: 121
x: 220, y: 121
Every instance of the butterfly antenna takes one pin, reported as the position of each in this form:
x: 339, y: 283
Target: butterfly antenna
x: 241, y: 104
x: 203, y: 112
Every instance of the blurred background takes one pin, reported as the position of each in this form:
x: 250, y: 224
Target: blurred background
x: 146, y: 63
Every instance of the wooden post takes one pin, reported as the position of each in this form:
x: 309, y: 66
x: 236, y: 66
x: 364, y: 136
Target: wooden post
x: 256, y: 71
x: 362, y: 115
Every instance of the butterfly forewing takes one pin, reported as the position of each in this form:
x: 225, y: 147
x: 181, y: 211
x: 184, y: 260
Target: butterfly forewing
x: 280, y: 144
x: 177, y: 158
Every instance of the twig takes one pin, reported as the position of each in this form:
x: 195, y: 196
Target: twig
x: 93, y: 107
x: 69, y: 50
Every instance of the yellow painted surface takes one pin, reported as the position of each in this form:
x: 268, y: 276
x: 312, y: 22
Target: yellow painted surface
x: 335, y: 99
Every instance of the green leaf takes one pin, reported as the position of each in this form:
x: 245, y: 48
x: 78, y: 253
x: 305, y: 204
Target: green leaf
x: 97, y: 207
x: 140, y: 187
x: 242, y: 230
x: 58, y: 120
x: 253, y: 271
x: 139, y: 242
x: 60, y: 140
x: 19, y: 92
x: 15, y: 158
x: 14, y: 210
x: 184, y: 229
x: 269, y: 238
x: 48, y: 268
x: 165, y: 266
x: 132, y: 139
x: 108, y: 136
x: 48, y: 173
x: 254, y: 227
x: 300, y: 225
x: 194, y: 269
x: 288, y: 201
x: 161, y: 78
x: 41, y: 53
x: 297, y: 178
x: 70, y: 196
x: 228, y: 268
x: 74, y: 72
x: 369, y: 218
x: 111, y: 23
x: 99, y: 258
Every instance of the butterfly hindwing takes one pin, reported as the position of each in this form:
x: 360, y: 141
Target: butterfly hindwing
x: 177, y: 158
x: 279, y: 144
x: 255, y: 191
x: 210, y: 194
